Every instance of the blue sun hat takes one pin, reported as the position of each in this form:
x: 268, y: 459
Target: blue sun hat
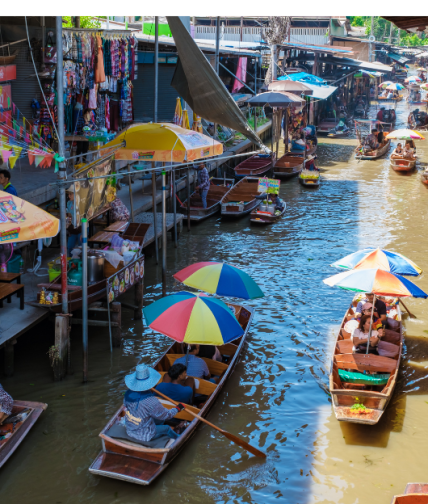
x: 144, y: 378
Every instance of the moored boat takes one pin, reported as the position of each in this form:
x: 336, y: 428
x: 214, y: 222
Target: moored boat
x: 401, y: 164
x: 259, y: 165
x: 219, y: 187
x: 383, y: 99
x: 125, y: 459
x: 269, y: 213
x: 309, y: 179
x: 287, y: 166
x: 17, y: 425
x: 359, y: 397
x: 373, y: 154
x: 415, y: 493
x: 242, y: 198
x: 326, y: 125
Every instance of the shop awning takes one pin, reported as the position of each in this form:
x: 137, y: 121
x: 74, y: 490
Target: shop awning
x: 362, y: 65
x: 398, y: 57
x: 321, y: 92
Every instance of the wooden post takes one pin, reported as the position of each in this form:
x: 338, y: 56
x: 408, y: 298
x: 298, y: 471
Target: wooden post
x: 62, y: 336
x: 130, y: 195
x: 155, y: 220
x: 188, y: 199
x: 116, y: 316
x: 9, y: 358
x: 138, y: 299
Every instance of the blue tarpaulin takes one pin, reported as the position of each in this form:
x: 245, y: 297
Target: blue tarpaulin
x: 303, y: 77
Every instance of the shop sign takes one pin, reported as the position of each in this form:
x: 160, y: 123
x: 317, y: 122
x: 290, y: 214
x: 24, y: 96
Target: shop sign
x: 270, y: 186
x: 7, y: 73
x: 125, y: 278
x: 5, y: 97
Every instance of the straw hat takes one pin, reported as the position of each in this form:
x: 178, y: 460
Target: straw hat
x: 144, y: 378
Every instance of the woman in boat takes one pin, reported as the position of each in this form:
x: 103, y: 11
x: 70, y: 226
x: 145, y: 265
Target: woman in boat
x: 145, y: 415
x: 177, y: 385
x: 6, y: 403
x: 196, y: 366
x: 410, y: 144
x: 361, y: 334
x: 398, y: 151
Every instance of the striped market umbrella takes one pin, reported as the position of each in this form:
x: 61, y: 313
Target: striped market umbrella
x: 395, y: 86
x: 377, y: 258
x: 177, y: 119
x: 405, y: 134
x: 194, y: 319
x: 219, y: 278
x: 413, y: 79
x: 385, y: 83
x: 380, y: 282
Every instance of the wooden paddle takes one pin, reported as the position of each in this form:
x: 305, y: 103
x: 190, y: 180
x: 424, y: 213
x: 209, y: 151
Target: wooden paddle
x: 407, y: 310
x: 230, y: 436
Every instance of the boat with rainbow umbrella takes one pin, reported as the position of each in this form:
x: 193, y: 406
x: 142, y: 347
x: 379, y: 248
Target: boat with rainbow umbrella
x: 221, y: 279
x: 362, y: 384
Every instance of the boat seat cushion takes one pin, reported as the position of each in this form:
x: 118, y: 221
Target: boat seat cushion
x: 118, y: 431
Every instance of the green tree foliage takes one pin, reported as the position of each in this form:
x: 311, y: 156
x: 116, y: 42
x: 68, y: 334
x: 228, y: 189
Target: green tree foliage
x: 85, y: 22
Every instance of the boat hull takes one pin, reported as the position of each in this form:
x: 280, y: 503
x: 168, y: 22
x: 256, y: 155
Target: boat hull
x: 311, y: 183
x: 255, y: 166
x: 9, y: 445
x: 415, y: 493
x: 241, y: 199
x: 379, y: 153
x: 138, y: 464
x: 262, y: 219
x: 288, y: 166
x: 403, y: 165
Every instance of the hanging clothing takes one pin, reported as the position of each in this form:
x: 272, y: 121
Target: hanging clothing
x: 107, y: 57
x: 99, y: 67
x: 107, y: 113
x: 92, y: 99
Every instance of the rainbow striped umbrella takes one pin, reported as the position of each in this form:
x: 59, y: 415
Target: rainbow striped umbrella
x: 377, y: 258
x: 395, y: 86
x: 385, y: 83
x: 413, y: 79
x: 219, y: 278
x: 380, y: 282
x: 405, y: 134
x: 194, y: 319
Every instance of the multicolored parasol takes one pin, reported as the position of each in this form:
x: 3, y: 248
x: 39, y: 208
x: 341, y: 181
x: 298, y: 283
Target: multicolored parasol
x: 404, y: 134
x: 194, y: 319
x: 221, y: 279
x: 380, y: 282
x: 395, y: 86
x: 424, y: 86
x: 385, y: 83
x: 377, y: 258
x: 413, y: 79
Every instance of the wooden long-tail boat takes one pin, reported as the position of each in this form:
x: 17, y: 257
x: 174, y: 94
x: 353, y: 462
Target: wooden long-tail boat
x: 309, y: 182
x: 383, y: 99
x: 400, y: 164
x: 258, y: 216
x: 241, y: 199
x: 219, y: 187
x: 259, y: 165
x: 18, y: 430
x: 287, y: 166
x: 424, y: 178
x: 374, y: 154
x: 132, y: 461
x: 415, y: 493
x: 374, y: 398
x: 326, y: 125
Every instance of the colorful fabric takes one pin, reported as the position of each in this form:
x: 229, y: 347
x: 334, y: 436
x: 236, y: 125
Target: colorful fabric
x: 193, y: 318
x: 141, y: 410
x: 6, y: 402
x: 221, y: 279
x: 377, y: 258
x: 79, y: 49
x: 107, y: 57
x: 196, y: 366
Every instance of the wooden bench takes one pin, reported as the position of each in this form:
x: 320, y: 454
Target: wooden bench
x: 102, y: 237
x: 8, y: 289
x: 205, y: 387
x: 214, y: 367
x: 365, y: 362
x: 117, y: 227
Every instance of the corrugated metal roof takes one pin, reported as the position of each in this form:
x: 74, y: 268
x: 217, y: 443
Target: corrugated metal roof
x: 316, y: 48
x: 321, y: 92
x: 397, y: 57
x: 379, y: 67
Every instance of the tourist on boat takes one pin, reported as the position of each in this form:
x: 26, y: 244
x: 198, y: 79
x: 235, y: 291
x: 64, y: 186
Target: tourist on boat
x: 203, y: 183
x: 390, y: 95
x: 210, y: 352
x: 196, y: 366
x: 6, y: 403
x: 411, y: 145
x: 380, y: 306
x: 177, y: 385
x: 407, y: 151
x: 361, y: 334
x: 145, y: 415
x: 398, y: 151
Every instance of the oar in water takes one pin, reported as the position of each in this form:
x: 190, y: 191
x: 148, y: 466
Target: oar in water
x: 407, y: 310
x: 230, y: 436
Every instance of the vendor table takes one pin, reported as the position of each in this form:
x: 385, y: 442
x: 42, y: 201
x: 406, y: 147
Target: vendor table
x: 8, y: 289
x: 117, y: 227
x: 10, y: 277
x: 102, y: 237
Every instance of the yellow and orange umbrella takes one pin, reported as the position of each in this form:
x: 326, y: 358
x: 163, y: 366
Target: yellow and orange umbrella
x: 178, y: 113
x: 22, y: 221
x: 185, y: 120
x: 164, y: 142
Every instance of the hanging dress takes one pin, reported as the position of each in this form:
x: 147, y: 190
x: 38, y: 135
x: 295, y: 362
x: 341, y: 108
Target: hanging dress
x: 99, y: 61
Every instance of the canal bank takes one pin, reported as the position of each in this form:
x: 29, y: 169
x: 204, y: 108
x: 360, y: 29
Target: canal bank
x: 276, y: 398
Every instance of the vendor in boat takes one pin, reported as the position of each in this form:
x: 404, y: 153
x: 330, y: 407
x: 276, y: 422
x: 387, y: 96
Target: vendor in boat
x: 361, y: 334
x: 203, y: 183
x: 196, y: 366
x: 6, y: 403
x: 145, y: 415
x: 371, y: 140
x: 177, y: 385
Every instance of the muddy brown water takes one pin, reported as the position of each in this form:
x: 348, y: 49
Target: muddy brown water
x: 277, y: 396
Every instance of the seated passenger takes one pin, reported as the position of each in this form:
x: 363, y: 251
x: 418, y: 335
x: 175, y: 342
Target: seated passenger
x: 380, y: 306
x: 371, y: 140
x: 196, y: 366
x: 390, y: 95
x: 210, y: 352
x: 361, y: 334
x: 145, y: 415
x: 6, y: 403
x: 398, y: 151
x: 177, y: 385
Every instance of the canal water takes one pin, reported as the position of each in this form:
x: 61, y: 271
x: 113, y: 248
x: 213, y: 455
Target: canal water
x: 277, y: 398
